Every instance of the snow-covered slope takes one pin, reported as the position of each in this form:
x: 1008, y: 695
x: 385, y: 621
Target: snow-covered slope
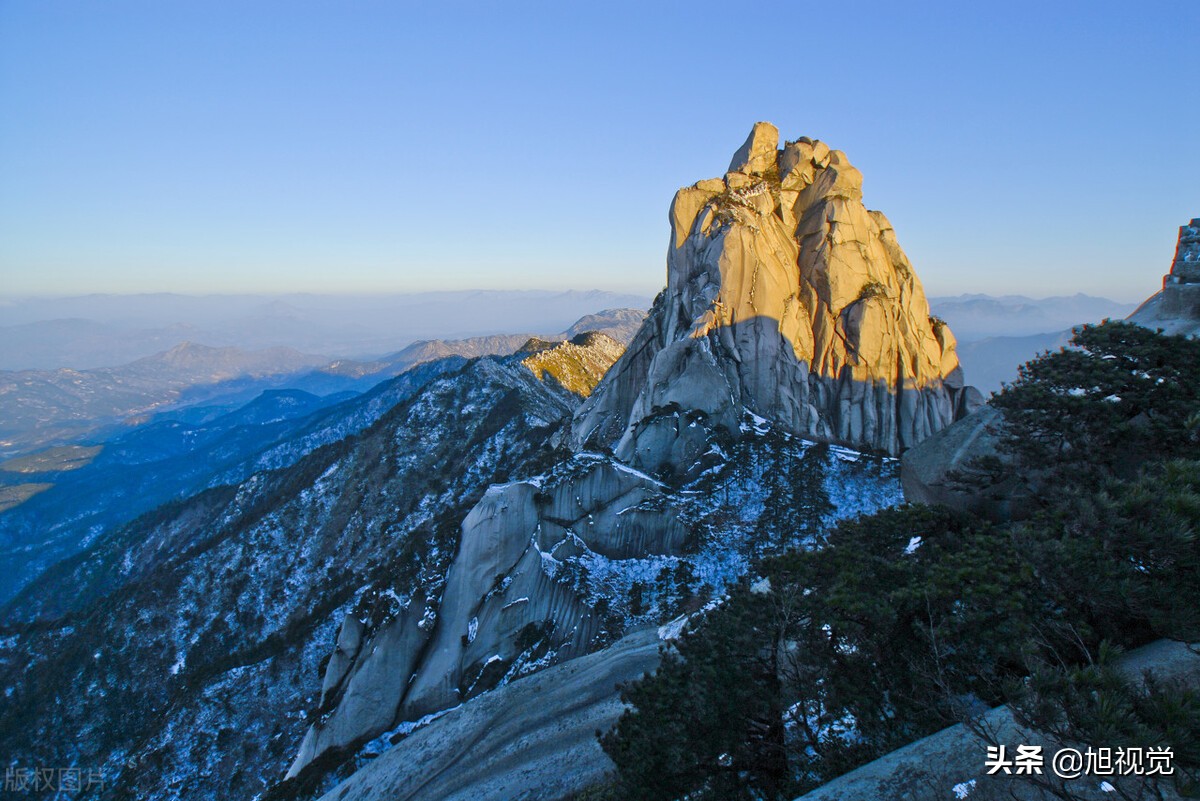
x: 562, y: 563
x: 195, y: 668
x: 170, y: 460
x: 785, y: 298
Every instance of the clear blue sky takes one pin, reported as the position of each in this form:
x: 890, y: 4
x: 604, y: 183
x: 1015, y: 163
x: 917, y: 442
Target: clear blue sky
x: 1034, y: 148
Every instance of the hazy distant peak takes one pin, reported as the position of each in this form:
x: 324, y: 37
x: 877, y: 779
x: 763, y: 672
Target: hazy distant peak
x: 1023, y: 299
x: 537, y: 345
x: 281, y: 309
x: 590, y: 338
x: 620, y: 324
x: 196, y: 355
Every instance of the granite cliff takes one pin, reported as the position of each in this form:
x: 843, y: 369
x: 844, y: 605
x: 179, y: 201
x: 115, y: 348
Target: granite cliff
x: 474, y: 531
x: 787, y: 297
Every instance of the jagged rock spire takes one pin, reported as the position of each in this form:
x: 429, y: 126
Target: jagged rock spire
x: 787, y: 297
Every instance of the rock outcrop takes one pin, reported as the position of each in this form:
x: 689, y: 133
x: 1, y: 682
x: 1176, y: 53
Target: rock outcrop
x: 938, y: 471
x: 535, y: 738
x: 555, y: 566
x: 504, y: 604
x: 949, y: 764
x: 1176, y: 309
x: 578, y: 364
x: 787, y: 297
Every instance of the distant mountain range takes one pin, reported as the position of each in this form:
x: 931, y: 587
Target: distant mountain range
x: 179, y: 422
x: 996, y: 335
x: 108, y: 330
x: 973, y: 317
x: 41, y: 408
x: 167, y: 459
x: 991, y: 362
x: 93, y: 331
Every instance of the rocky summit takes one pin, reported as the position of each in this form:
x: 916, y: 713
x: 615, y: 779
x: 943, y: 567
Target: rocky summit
x: 788, y: 297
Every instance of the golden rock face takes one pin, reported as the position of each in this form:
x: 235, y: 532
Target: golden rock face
x: 578, y: 365
x: 788, y: 298
x: 796, y: 245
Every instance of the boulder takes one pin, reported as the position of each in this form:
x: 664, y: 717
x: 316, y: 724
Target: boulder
x: 950, y: 763
x: 757, y: 154
x: 940, y: 471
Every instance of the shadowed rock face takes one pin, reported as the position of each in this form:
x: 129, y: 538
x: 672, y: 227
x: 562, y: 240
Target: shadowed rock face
x: 502, y: 595
x: 786, y: 296
x: 930, y: 472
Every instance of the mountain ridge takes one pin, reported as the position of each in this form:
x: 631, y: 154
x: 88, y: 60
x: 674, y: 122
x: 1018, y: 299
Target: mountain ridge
x: 63, y: 406
x: 110, y: 330
x: 979, y: 316
x: 492, y: 524
x: 172, y: 455
x: 226, y: 600
x: 551, y: 566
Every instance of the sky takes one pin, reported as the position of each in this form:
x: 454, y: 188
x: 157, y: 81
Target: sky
x: 199, y: 147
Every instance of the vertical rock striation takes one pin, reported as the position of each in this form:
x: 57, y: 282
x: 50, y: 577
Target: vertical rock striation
x: 787, y: 297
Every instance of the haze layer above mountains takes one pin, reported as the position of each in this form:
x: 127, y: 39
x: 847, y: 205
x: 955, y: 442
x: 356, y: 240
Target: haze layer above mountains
x: 109, y: 330
x: 92, y: 331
